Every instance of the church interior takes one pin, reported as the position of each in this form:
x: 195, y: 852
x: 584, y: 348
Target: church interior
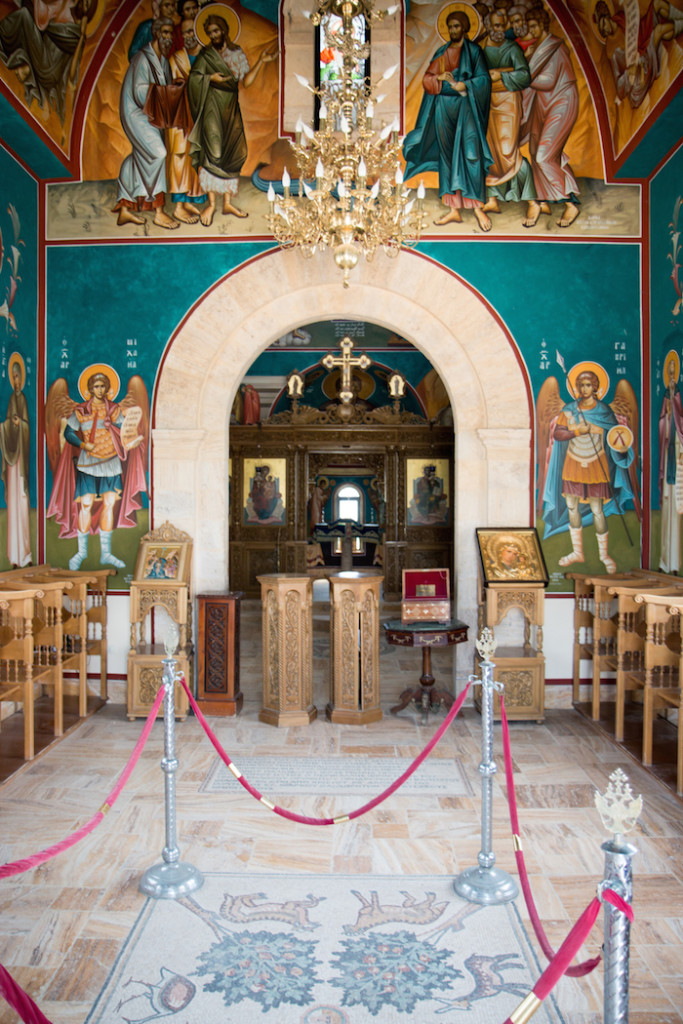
x: 258, y: 406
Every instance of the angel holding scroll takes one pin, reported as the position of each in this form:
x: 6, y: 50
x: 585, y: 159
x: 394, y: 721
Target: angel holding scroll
x: 97, y: 456
x: 586, y: 457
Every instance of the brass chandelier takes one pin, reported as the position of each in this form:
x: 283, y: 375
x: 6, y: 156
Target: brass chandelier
x: 350, y: 195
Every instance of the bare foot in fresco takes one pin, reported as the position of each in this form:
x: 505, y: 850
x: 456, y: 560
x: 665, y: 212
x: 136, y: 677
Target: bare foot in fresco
x: 451, y: 217
x: 184, y: 215
x: 162, y: 220
x: 533, y: 212
x: 571, y: 212
x: 206, y: 216
x: 127, y: 216
x: 234, y: 210
x: 484, y: 222
x: 491, y: 206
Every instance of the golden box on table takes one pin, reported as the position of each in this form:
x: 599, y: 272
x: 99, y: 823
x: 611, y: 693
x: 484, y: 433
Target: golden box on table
x: 426, y: 596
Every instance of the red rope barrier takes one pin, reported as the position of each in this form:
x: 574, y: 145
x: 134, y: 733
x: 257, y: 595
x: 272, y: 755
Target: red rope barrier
x: 19, y: 1000
x: 17, y: 866
x: 578, y: 970
x: 559, y: 965
x: 300, y: 818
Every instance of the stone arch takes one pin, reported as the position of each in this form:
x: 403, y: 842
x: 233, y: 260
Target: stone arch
x: 445, y: 318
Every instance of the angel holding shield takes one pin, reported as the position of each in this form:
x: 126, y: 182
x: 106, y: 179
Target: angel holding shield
x: 588, y: 449
x: 96, y: 452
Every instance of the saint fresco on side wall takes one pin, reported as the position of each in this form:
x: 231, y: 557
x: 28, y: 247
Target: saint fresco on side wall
x: 97, y: 450
x: 15, y: 446
x: 588, y: 498
x: 15, y: 428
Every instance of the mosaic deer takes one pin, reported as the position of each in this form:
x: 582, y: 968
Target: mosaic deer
x: 244, y: 909
x: 372, y: 913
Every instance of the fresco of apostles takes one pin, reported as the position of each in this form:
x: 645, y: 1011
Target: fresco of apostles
x: 183, y: 112
x: 502, y: 87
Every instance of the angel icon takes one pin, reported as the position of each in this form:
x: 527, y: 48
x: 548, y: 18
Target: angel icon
x: 586, y: 455
x: 97, y: 457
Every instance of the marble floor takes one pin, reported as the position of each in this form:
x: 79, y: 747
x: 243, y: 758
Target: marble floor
x: 63, y: 924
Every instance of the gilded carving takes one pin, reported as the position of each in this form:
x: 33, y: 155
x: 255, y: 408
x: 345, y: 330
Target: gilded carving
x: 270, y: 613
x: 519, y: 688
x: 216, y: 649
x: 525, y: 600
x: 348, y: 625
x: 292, y: 662
x: 150, y: 681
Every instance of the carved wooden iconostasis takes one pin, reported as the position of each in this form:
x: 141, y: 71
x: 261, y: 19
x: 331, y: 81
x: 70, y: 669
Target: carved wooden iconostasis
x: 331, y: 448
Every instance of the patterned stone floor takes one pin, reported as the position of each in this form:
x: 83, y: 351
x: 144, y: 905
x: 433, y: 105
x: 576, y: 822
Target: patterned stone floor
x: 63, y: 924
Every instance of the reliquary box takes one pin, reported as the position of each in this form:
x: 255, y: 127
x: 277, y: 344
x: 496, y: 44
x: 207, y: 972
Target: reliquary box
x: 426, y: 596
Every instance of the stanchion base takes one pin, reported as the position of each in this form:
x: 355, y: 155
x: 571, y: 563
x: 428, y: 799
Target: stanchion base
x: 169, y: 881
x: 485, y: 885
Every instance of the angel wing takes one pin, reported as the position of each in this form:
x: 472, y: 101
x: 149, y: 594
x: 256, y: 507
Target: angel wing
x: 624, y: 405
x: 58, y: 408
x: 135, y: 408
x: 548, y: 407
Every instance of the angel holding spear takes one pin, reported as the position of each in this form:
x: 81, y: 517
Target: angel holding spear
x: 591, y: 449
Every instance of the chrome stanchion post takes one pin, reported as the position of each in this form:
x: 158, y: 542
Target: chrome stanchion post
x: 619, y: 811
x: 172, y: 878
x: 485, y: 883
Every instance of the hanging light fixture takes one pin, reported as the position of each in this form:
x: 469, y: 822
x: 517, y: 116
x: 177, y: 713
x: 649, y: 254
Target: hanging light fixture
x: 350, y: 195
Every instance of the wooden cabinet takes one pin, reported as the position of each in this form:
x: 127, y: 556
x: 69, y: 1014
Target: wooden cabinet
x: 218, y: 653
x: 521, y: 668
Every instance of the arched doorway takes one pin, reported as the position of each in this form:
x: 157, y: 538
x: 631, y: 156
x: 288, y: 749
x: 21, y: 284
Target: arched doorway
x: 446, y: 319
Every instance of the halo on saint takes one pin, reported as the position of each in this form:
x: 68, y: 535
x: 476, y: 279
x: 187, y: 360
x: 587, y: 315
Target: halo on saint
x: 324, y: 482
x: 472, y: 14
x: 599, y: 371
x: 671, y: 356
x: 16, y: 359
x: 223, y: 11
x: 108, y: 371
x: 94, y: 23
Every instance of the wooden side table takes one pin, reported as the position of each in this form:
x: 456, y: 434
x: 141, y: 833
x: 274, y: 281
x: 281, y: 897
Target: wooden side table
x: 354, y: 648
x: 218, y: 653
x: 425, y: 635
x: 287, y: 630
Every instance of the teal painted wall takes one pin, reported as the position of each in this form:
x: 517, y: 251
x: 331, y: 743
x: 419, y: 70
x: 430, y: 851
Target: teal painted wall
x: 551, y: 296
x: 19, y: 314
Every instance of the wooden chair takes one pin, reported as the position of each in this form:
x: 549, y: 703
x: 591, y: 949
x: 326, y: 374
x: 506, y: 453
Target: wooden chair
x: 663, y: 682
x: 48, y: 638
x: 74, y: 589
x: 84, y: 620
x: 631, y: 632
x: 16, y: 656
x: 596, y: 626
x: 583, y: 627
